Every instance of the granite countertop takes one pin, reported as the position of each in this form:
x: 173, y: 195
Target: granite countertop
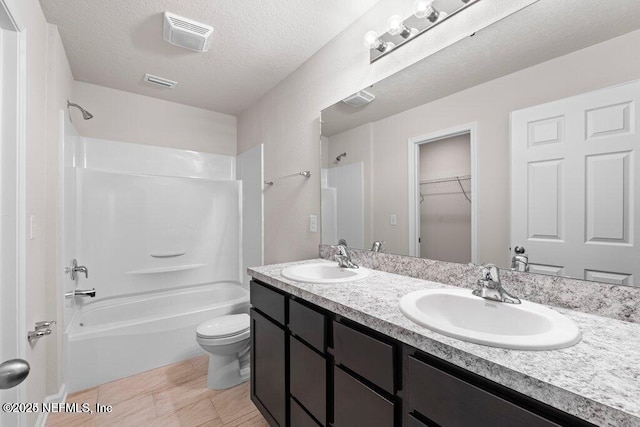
x: 597, y: 380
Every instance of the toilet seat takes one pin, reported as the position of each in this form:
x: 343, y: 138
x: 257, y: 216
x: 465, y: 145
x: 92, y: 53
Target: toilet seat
x: 230, y: 326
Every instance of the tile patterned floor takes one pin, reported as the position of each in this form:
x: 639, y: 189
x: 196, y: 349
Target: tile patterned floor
x: 173, y: 395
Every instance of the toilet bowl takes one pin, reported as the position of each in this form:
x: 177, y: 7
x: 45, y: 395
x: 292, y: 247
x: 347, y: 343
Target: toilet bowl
x: 226, y: 339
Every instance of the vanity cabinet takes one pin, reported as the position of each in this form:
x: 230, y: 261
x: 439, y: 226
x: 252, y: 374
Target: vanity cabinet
x: 313, y: 368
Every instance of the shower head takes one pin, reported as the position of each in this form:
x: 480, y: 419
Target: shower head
x: 85, y: 114
x: 340, y: 157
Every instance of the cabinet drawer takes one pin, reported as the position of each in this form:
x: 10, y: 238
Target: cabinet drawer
x: 308, y: 379
x: 307, y: 324
x: 364, y: 355
x: 299, y: 418
x: 451, y: 402
x: 355, y: 404
x: 268, y: 301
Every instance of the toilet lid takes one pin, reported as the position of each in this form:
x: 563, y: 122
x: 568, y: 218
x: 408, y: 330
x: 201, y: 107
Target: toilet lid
x: 224, y: 326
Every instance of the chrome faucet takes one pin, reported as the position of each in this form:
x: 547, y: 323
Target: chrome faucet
x: 520, y: 261
x: 491, y: 287
x: 377, y: 246
x: 343, y: 258
x: 75, y: 269
x: 80, y: 293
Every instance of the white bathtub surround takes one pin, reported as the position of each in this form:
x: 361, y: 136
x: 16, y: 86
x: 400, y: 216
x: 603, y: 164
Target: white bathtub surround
x: 249, y: 171
x: 343, y: 191
x: 596, y: 379
x: 125, y: 157
x: 160, y: 231
x: 118, y: 337
x: 142, y: 233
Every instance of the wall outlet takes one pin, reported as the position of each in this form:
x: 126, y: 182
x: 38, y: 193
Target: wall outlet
x: 313, y: 223
x: 393, y: 219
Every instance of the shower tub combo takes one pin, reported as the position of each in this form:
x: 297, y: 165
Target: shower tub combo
x: 160, y: 232
x: 117, y: 337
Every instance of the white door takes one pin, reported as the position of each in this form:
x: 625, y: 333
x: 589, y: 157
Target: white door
x: 12, y: 341
x: 574, y: 198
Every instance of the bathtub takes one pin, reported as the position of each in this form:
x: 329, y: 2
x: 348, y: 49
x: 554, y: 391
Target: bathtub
x: 117, y: 337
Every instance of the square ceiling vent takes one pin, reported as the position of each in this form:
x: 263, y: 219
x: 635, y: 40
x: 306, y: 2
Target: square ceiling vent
x: 186, y: 33
x: 359, y: 99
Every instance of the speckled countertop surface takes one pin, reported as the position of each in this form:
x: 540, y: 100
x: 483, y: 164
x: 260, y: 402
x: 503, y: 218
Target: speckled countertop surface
x: 597, y: 380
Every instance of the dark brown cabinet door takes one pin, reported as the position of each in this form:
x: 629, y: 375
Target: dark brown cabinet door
x: 268, y: 355
x: 356, y: 405
x: 299, y: 418
x: 308, y: 379
x: 365, y: 355
x: 451, y: 402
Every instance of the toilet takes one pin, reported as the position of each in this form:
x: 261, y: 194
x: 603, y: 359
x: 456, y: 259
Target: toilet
x: 226, y: 339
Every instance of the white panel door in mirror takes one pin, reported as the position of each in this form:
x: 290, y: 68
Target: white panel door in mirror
x: 609, y: 120
x: 544, y: 203
x: 608, y: 209
x: 580, y: 208
x: 607, y: 277
x: 549, y: 270
x: 547, y: 131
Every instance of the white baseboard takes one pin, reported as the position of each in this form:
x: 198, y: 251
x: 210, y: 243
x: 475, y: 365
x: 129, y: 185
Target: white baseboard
x: 59, y: 397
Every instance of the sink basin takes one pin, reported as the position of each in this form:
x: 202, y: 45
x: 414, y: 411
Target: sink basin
x: 459, y: 314
x: 324, y: 273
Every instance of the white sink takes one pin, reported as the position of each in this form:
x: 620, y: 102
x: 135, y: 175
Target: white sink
x: 459, y: 314
x: 324, y: 273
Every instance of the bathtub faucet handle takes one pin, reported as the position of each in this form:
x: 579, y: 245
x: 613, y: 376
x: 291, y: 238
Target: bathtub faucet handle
x: 75, y: 269
x: 44, y: 324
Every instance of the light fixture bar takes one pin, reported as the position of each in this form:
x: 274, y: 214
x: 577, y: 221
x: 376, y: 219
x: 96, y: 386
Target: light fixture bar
x: 411, y: 27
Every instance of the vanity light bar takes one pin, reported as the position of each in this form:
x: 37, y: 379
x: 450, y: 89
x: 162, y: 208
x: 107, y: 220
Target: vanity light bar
x: 426, y: 16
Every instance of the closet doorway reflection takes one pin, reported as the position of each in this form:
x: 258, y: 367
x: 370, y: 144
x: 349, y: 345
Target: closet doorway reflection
x: 444, y: 203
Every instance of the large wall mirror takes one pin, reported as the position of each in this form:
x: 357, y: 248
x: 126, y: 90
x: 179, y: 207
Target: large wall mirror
x: 523, y: 134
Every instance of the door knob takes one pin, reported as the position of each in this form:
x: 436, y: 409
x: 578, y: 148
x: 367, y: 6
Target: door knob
x: 13, y: 372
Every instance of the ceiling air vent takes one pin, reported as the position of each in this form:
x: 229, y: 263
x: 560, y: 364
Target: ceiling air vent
x: 359, y: 99
x: 186, y: 33
x: 159, y: 81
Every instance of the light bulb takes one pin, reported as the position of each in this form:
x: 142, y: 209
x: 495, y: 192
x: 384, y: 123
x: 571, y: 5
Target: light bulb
x: 395, y: 25
x: 371, y: 40
x: 424, y: 9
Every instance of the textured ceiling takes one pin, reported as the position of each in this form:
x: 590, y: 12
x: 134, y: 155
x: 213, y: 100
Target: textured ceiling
x: 255, y: 44
x: 542, y: 31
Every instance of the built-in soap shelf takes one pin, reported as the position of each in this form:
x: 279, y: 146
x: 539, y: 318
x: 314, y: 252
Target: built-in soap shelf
x: 169, y: 254
x: 167, y: 269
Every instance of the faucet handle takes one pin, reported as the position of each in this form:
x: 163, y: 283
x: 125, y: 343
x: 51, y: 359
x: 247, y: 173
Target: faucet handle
x: 377, y: 245
x: 341, y: 249
x: 44, y: 324
x: 491, y: 272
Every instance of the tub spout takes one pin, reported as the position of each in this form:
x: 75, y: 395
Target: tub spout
x: 80, y: 293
